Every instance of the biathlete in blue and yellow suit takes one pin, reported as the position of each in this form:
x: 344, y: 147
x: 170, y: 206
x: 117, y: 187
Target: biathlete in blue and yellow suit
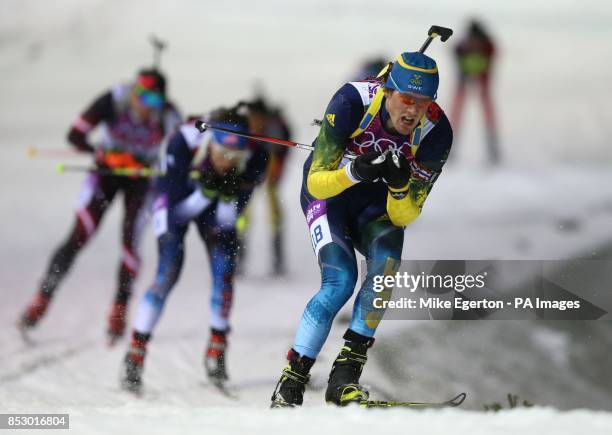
x: 227, y: 167
x: 401, y: 139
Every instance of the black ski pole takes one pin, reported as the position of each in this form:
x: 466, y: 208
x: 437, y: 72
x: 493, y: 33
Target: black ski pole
x: 203, y: 126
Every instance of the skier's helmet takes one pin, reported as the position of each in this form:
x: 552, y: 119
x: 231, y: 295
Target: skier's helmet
x: 414, y: 72
x: 150, y: 87
x: 229, y: 119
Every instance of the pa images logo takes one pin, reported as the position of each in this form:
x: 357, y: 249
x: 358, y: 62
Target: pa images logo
x: 417, y: 80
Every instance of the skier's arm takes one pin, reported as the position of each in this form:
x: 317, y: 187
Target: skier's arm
x: 341, y: 119
x: 176, y: 163
x: 405, y: 204
x: 100, y: 110
x: 185, y: 197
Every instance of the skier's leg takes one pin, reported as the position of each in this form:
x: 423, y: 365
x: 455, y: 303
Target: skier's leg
x: 222, y: 247
x: 96, y: 194
x: 136, y: 201
x: 276, y: 213
x: 338, y: 277
x: 490, y: 122
x: 456, y: 111
x: 242, y: 229
x: 381, y: 242
x: 170, y: 263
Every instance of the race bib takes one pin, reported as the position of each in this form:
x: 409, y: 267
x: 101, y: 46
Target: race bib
x: 316, y: 218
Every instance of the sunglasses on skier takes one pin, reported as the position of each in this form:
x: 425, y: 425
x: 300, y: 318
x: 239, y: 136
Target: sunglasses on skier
x: 148, y: 97
x: 230, y: 146
x: 235, y: 155
x: 414, y: 100
x: 230, y: 154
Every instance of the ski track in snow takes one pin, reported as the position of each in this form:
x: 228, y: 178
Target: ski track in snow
x: 542, y: 204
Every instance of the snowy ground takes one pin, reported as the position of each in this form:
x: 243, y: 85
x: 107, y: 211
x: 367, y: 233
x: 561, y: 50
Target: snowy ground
x: 551, y: 200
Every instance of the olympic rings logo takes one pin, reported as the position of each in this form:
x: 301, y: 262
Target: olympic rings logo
x: 380, y: 145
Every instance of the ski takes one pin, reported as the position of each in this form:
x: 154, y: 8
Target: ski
x: 451, y: 403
